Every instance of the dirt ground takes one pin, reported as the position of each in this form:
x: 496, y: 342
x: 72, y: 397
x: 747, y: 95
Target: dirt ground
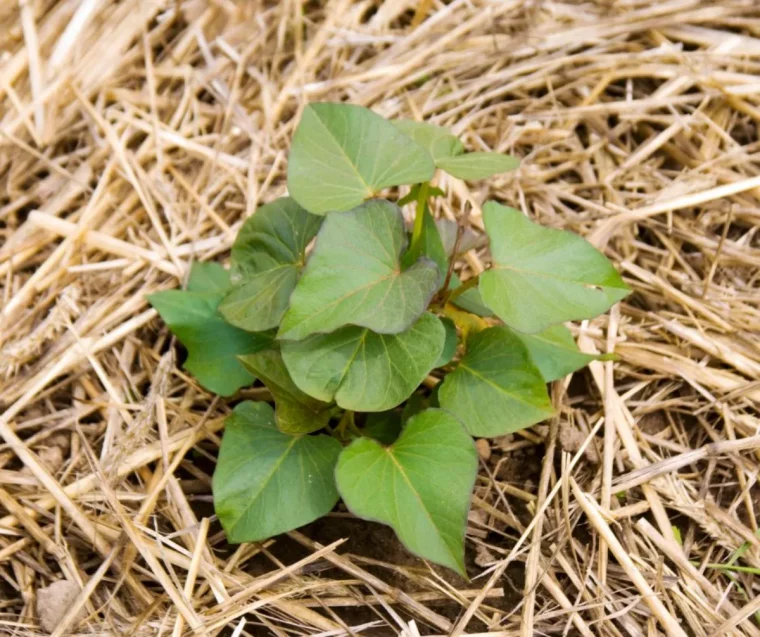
x: 137, y: 135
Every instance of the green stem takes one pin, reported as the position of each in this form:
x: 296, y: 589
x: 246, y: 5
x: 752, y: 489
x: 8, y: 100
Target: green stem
x: 468, y: 284
x: 419, y: 219
x: 731, y: 567
x: 346, y: 423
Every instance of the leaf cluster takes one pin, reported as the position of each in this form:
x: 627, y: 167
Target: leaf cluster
x: 381, y: 363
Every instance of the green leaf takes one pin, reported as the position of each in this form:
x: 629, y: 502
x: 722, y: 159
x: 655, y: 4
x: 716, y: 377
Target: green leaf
x: 297, y: 412
x: 353, y: 277
x: 496, y: 389
x: 473, y: 303
x: 433, y: 397
x: 414, y: 191
x: 450, y: 344
x: 343, y: 154
x: 383, y: 426
x: 542, y: 276
x: 208, y: 277
x: 554, y: 352
x: 448, y: 152
x: 266, y: 260
x: 420, y: 486
x: 212, y: 344
x: 478, y: 165
x: 362, y: 370
x: 429, y: 245
x: 470, y: 300
x: 267, y: 482
x: 438, y: 141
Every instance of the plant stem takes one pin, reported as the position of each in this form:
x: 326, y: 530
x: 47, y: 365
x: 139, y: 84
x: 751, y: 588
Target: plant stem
x: 454, y: 253
x: 468, y: 284
x: 346, y: 423
x: 731, y: 567
x: 419, y: 219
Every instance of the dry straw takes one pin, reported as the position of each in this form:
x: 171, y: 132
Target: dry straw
x: 137, y: 135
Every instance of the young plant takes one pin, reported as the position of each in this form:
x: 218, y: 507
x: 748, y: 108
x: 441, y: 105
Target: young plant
x: 350, y: 335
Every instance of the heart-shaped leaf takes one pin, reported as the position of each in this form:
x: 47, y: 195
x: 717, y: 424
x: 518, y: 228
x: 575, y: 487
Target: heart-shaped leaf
x: 267, y: 482
x: 438, y: 141
x: 496, y: 389
x: 353, y: 277
x: 297, y: 412
x: 448, y: 152
x: 554, y: 352
x: 478, y: 165
x: 362, y: 370
x: 343, y: 154
x: 212, y: 344
x: 542, y: 276
x: 420, y: 485
x: 266, y: 260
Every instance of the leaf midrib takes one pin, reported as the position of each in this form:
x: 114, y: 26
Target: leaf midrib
x: 191, y: 309
x: 560, y: 346
x: 359, y: 344
x: 367, y: 187
x: 265, y: 482
x: 545, y: 275
x: 327, y: 307
x: 273, y: 285
x: 498, y: 387
x: 400, y: 468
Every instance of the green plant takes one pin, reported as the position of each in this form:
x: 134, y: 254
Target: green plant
x: 349, y: 336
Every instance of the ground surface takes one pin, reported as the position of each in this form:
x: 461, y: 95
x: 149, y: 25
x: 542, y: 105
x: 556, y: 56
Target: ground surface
x: 137, y: 135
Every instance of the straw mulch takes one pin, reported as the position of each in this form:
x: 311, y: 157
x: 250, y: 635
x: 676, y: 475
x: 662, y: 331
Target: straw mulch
x: 137, y: 135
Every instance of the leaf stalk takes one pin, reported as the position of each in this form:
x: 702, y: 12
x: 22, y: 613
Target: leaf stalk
x: 419, y: 219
